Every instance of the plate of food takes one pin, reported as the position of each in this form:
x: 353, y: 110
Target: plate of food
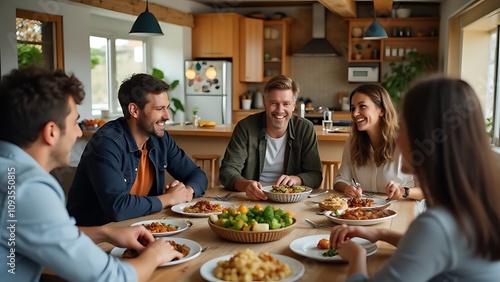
x: 360, y: 216
x: 318, y: 247
x: 202, y: 208
x: 163, y: 227
x: 189, y: 248
x: 289, y: 267
x: 333, y: 203
x: 286, y: 194
x: 366, y: 202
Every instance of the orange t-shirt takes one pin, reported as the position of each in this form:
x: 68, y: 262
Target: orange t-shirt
x: 145, y: 176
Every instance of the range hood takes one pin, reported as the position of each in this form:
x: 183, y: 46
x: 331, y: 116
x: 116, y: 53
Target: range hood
x: 319, y: 45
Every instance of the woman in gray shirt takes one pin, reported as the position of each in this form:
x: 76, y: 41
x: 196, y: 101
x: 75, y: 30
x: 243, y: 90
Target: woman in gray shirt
x: 457, y: 238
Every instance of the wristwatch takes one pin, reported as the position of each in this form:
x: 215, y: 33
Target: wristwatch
x: 407, y: 192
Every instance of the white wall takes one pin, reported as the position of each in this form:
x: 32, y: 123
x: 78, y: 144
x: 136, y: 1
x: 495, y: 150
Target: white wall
x: 449, y: 8
x: 168, y: 54
x: 75, y: 32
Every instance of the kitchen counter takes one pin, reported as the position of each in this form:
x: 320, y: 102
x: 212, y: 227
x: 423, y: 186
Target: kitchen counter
x: 214, y: 140
x: 226, y: 130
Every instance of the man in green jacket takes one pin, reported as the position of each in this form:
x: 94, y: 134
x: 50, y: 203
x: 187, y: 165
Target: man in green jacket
x: 272, y: 147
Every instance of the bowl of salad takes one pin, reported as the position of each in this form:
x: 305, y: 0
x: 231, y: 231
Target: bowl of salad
x: 286, y: 194
x: 253, y: 224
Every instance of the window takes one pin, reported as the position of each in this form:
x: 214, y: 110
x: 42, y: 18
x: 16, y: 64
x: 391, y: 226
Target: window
x: 39, y: 39
x: 113, y: 60
x: 494, y: 86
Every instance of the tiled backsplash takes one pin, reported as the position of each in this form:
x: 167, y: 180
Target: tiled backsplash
x: 321, y: 79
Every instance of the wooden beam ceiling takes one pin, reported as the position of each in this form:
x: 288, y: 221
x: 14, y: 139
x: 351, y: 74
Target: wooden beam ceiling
x: 344, y: 8
x: 135, y: 7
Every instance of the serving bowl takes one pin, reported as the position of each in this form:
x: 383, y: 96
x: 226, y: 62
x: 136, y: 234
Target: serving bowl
x: 403, y: 13
x: 251, y: 236
x: 286, y: 197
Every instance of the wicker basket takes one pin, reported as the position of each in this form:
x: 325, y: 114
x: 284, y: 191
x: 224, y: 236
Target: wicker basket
x: 251, y: 236
x: 288, y: 197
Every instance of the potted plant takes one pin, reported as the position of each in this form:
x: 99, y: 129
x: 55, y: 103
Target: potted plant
x: 489, y: 127
x: 401, y: 74
x: 177, y: 104
x: 359, y: 49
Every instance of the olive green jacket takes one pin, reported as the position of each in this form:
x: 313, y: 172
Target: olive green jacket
x: 245, y: 154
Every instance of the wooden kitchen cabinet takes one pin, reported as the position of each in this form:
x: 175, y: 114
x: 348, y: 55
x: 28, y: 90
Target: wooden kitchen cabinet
x: 276, y: 48
x: 215, y: 35
x: 404, y: 35
x: 251, y: 50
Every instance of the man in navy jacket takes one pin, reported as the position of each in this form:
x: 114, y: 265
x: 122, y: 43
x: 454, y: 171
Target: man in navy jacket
x: 121, y: 174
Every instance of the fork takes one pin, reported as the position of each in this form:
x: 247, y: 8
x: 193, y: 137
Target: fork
x: 317, y: 225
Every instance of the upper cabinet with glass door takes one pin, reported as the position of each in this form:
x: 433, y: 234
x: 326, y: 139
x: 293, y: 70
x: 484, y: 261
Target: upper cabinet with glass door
x: 276, y: 48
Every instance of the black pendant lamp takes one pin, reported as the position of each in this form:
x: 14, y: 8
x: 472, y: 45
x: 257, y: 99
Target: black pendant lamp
x: 146, y: 24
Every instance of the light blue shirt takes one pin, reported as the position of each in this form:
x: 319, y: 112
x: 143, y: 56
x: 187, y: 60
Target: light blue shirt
x: 37, y: 231
x: 435, y: 249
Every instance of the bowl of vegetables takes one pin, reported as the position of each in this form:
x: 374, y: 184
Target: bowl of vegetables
x: 286, y: 194
x: 252, y: 225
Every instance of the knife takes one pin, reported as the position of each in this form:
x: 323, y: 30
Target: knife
x: 317, y: 194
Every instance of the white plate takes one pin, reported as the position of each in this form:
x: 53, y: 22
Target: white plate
x: 307, y: 246
x: 377, y: 202
x: 337, y: 220
x: 179, y: 223
x: 298, y: 269
x: 195, y: 250
x: 180, y: 208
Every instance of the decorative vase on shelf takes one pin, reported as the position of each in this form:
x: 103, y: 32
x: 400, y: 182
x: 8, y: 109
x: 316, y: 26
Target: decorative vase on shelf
x: 358, y: 56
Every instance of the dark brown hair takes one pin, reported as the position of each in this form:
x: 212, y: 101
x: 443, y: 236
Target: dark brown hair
x: 452, y: 158
x: 284, y: 83
x: 360, y: 141
x: 31, y: 97
x: 135, y: 90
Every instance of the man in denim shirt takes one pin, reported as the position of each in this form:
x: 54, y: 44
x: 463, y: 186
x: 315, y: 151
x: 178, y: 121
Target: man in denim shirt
x: 273, y: 146
x: 121, y: 174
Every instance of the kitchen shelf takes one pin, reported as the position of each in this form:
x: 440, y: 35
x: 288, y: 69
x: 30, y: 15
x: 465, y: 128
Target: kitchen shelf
x: 420, y: 40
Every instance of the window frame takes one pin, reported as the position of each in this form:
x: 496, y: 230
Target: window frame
x: 58, y: 32
x: 113, y: 83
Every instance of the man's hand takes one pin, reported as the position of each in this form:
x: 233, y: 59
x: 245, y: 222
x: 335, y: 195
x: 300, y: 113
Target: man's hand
x: 175, y: 193
x: 289, y: 180
x: 252, y: 188
x: 135, y: 237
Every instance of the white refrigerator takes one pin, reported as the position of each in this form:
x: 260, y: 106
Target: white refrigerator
x: 212, y: 96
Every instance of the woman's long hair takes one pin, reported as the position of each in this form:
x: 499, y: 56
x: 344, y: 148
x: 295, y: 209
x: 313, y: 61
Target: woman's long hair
x: 453, y: 160
x: 360, y: 141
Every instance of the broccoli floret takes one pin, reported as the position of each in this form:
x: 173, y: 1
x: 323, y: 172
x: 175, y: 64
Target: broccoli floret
x: 268, y: 213
x: 274, y: 224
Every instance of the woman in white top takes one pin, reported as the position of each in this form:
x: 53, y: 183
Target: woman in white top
x: 370, y: 155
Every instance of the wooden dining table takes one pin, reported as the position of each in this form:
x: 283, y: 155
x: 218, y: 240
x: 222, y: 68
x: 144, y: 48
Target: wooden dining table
x: 201, y: 233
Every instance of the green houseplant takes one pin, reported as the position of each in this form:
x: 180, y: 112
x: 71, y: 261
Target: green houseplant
x: 398, y: 80
x: 177, y: 104
x: 359, y: 49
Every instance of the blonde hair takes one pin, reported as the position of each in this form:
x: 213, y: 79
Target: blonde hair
x: 284, y: 83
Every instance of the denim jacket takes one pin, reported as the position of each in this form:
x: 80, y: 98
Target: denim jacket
x: 100, y: 192
x: 246, y: 152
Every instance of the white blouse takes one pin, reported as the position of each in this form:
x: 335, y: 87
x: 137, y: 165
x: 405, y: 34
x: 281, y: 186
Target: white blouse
x: 371, y: 177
